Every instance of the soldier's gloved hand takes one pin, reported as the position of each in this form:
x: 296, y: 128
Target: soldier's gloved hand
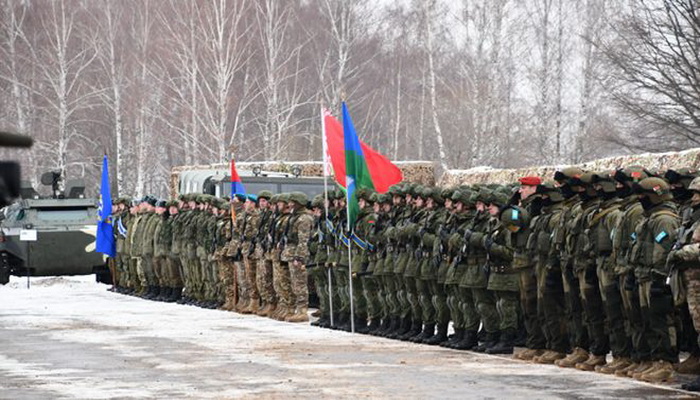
x: 488, y: 242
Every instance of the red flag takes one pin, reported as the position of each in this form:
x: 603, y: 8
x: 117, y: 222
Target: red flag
x: 384, y: 173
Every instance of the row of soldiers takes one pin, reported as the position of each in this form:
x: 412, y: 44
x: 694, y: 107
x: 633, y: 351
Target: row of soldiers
x: 588, y: 264
x: 247, y: 254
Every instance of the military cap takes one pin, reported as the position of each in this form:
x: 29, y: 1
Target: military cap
x: 530, y: 180
x: 657, y: 189
x: 241, y: 197
x: 605, y: 180
x: 265, y: 194
x: 680, y: 176
x: 252, y: 198
x: 633, y: 173
x: 299, y: 197
x: 568, y: 174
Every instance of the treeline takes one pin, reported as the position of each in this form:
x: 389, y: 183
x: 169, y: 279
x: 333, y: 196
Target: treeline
x: 157, y: 83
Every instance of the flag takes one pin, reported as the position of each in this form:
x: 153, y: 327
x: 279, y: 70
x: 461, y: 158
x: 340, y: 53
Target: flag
x: 326, y: 162
x: 357, y: 174
x: 384, y: 173
x: 104, y: 242
x: 236, y: 184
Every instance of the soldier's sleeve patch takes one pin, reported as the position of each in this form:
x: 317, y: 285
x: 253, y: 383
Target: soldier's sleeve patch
x: 371, y: 221
x: 661, y: 236
x: 515, y: 214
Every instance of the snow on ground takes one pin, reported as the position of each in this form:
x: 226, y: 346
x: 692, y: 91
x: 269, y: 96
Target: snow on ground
x: 69, y: 338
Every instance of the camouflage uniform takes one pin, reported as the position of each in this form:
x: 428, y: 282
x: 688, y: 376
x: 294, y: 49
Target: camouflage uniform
x: 280, y: 271
x: 296, y: 254
x: 251, y: 225
x: 263, y: 273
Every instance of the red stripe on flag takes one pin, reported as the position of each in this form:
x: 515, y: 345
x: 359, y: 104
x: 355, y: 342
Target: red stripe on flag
x: 383, y: 172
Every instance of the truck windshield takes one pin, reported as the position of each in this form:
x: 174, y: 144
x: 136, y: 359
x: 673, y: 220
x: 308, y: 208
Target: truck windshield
x: 62, y: 214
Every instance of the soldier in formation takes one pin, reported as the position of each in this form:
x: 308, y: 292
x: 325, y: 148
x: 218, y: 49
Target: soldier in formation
x: 572, y: 269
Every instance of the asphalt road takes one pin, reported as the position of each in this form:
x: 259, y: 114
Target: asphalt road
x: 68, y: 338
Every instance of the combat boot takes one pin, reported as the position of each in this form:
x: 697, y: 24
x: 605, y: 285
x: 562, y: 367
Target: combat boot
x: 320, y: 321
x: 384, y: 327
x: 642, y: 368
x: 402, y: 326
x: 661, y: 372
x: 283, y: 313
x: 548, y: 357
x: 690, y: 365
x: 427, y: 332
x: 504, y: 344
x: 155, y: 293
x: 254, y: 306
x: 489, y: 340
x: 241, y: 305
x: 529, y: 354
x: 438, y: 338
x: 300, y: 314
x: 176, y: 295
x: 468, y: 342
x: 592, y: 362
x: 416, y: 328
x: 579, y: 355
x: 165, y: 294
x: 361, y: 325
x: 622, y: 372
x: 693, y: 386
x: 343, y: 322
x: 265, y: 311
x: 617, y: 364
x: 454, y: 338
x: 374, y: 326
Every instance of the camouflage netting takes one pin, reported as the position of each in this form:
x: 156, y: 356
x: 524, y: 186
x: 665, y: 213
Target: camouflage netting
x: 413, y: 171
x: 652, y: 161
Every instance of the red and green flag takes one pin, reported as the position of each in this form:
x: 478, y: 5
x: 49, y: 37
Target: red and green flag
x: 357, y: 174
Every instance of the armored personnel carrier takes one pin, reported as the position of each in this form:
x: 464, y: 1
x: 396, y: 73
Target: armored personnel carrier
x: 52, y: 235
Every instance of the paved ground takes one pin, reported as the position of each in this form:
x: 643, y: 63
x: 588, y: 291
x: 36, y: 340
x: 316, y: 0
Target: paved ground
x: 68, y: 338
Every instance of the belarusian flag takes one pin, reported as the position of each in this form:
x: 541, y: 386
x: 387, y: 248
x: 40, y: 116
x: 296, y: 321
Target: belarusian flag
x: 356, y: 172
x: 383, y: 172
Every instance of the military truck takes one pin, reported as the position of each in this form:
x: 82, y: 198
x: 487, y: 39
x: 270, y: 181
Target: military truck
x: 217, y: 182
x: 52, y: 235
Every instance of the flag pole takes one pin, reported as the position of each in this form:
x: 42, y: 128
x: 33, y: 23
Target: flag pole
x: 352, y: 303
x: 325, y: 205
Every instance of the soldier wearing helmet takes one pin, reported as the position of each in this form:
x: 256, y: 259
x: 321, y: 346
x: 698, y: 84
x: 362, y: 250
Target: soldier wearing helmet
x: 655, y: 237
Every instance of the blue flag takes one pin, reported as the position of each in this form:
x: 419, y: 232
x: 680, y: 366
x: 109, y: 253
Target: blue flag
x: 104, y: 242
x: 357, y: 174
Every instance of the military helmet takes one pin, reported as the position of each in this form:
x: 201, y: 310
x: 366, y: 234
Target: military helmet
x: 567, y: 174
x: 550, y: 190
x: 225, y: 206
x: 437, y: 196
x: 447, y: 192
x: 395, y: 190
x: 695, y: 185
x: 274, y: 198
x: 265, y: 194
x: 283, y: 198
x: 514, y: 216
x: 657, y: 189
x: 161, y: 203
x: 633, y: 173
x: 383, y: 198
x: 171, y: 203
x: 317, y: 201
x: 462, y: 196
x: 299, y: 197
